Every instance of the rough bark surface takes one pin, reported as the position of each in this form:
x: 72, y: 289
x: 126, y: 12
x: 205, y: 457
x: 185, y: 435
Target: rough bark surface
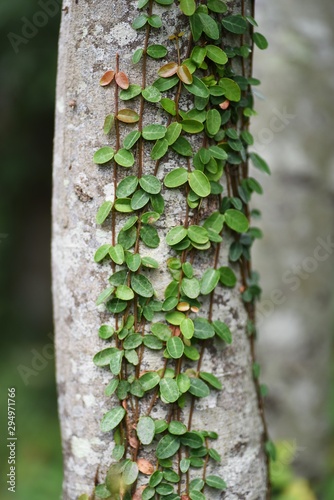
x: 91, y: 34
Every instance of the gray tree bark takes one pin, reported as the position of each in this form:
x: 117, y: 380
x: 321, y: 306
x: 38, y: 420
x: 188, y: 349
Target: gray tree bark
x: 91, y: 35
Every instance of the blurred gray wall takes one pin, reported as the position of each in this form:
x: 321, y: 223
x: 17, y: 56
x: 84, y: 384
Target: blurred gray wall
x: 294, y: 133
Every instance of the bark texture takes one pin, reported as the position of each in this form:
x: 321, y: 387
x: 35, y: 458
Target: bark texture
x: 92, y: 32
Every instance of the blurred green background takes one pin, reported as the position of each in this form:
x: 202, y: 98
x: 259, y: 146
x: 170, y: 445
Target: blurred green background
x: 27, y: 88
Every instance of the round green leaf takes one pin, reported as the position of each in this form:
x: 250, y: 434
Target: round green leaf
x: 150, y: 184
x: 173, y: 132
x: 117, y: 254
x: 141, y: 285
x: 161, y: 331
x: 132, y: 91
x: 183, y: 147
x: 127, y: 186
x: 187, y: 328
x: 102, y: 358
x: 103, y: 212
x: 164, y: 489
x: 149, y: 380
x: 151, y: 94
x: 259, y: 163
x: 104, y: 295
x: 131, y: 221
x: 235, y: 24
x: 159, y: 149
x: 190, y: 287
x: 112, y: 419
x: 231, y: 89
x: 176, y: 178
x: 108, y: 123
x: 155, y: 21
x: 101, y: 252
x: 139, y: 199
x: 192, y: 126
x: 183, y: 382
x: 209, y: 281
x: 175, y: 235
x: 154, y: 132
x: 260, y: 41
x: 199, y: 183
x: 106, y: 331
x: 209, y: 26
x: 145, y: 430
x: 130, y: 139
x: 177, y: 428
x: 169, y: 390
x: 227, y: 276
x: 217, y: 6
x: 149, y: 236
x: 197, y: 87
x: 156, y: 51
x: 198, y: 234
x: 103, y: 155
x: 195, y: 441
x: 167, y: 446
x: 188, y: 7
x: 236, y: 220
x: 213, y: 121
x: 203, y: 329
x: 222, y: 330
x: 175, y: 317
x: 137, y: 55
x: 211, y: 379
x: 124, y: 292
x: 215, y: 482
x: 198, y: 388
x: 124, y: 158
x: 123, y: 205
x: 175, y: 347
x: 169, y: 106
x: 130, y: 472
x: 216, y: 54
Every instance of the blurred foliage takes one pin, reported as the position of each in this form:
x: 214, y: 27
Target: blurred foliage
x: 27, y: 86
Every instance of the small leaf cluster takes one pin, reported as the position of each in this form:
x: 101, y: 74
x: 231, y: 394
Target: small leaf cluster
x: 173, y: 326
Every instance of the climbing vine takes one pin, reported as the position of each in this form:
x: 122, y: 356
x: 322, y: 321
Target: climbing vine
x: 166, y: 457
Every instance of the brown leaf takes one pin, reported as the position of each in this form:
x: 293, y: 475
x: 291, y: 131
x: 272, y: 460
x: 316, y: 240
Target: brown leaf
x: 127, y: 116
x: 183, y: 306
x: 225, y: 104
x: 145, y: 466
x: 168, y: 69
x: 185, y: 497
x: 184, y: 74
x: 107, y: 78
x: 138, y: 493
x: 133, y: 441
x: 122, y: 80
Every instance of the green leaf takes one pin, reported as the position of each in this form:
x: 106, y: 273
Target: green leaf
x: 149, y: 236
x: 182, y: 146
x: 150, y: 217
x: 130, y: 472
x: 108, y: 123
x: 198, y: 55
x: 164, y: 84
x: 183, y: 382
x: 116, y: 362
x: 218, y: 153
x: 102, y: 358
x: 198, y: 388
x: 118, y: 452
x: 139, y: 199
x: 127, y: 186
x: 133, y: 341
x: 209, y: 26
x: 213, y: 121
x: 101, y: 252
x: 133, y: 261
x: 155, y: 21
x: 145, y: 430
x: 152, y: 342
x: 117, y: 254
x: 191, y: 352
x: 156, y: 51
x: 131, y: 221
x: 198, y: 234
x: 106, y: 331
x: 112, y: 419
x: 169, y: 106
x: 169, y: 390
x: 211, y: 379
x: 161, y: 331
x: 123, y: 205
x: 123, y: 292
x: 231, y: 89
x: 217, y: 6
x: 215, y: 222
x: 150, y: 262
x: 149, y: 380
x: 198, y: 88
x: 203, y: 329
x: 236, y: 220
x: 173, y: 132
x: 184, y: 465
x: 216, y: 54
x: 127, y: 116
x: 259, y: 163
x: 215, y: 482
x: 271, y: 450
x: 187, y: 328
x: 141, y: 285
x: 192, y: 440
x: 151, y: 94
x: 130, y: 140
x: 101, y: 491
x: 175, y: 347
x: 164, y: 489
x: 227, y: 276
x: 235, y: 24
x: 103, y: 212
x: 188, y: 7
x: 103, y: 155
x: 104, y: 295
x: 132, y: 91
x: 139, y: 22
x: 157, y: 476
x: 159, y: 149
x: 176, y: 177
x: 124, y: 158
x: 175, y: 235
x: 154, y: 132
x: 116, y: 306
x: 223, y: 331
x: 260, y: 41
x: 137, y: 55
x: 167, y: 446
x: 209, y: 281
x: 192, y: 126
x: 199, y: 183
x: 177, y: 428
x: 150, y: 184
x: 190, y: 287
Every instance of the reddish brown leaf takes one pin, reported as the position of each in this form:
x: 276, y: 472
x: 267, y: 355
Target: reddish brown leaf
x: 134, y: 443
x: 184, y: 74
x: 138, y: 493
x: 225, y: 104
x: 145, y: 466
x: 127, y: 116
x: 168, y: 69
x: 107, y: 78
x: 185, y: 497
x: 122, y: 80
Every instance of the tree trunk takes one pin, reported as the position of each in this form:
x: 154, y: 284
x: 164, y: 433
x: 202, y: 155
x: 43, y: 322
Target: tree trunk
x: 92, y: 33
